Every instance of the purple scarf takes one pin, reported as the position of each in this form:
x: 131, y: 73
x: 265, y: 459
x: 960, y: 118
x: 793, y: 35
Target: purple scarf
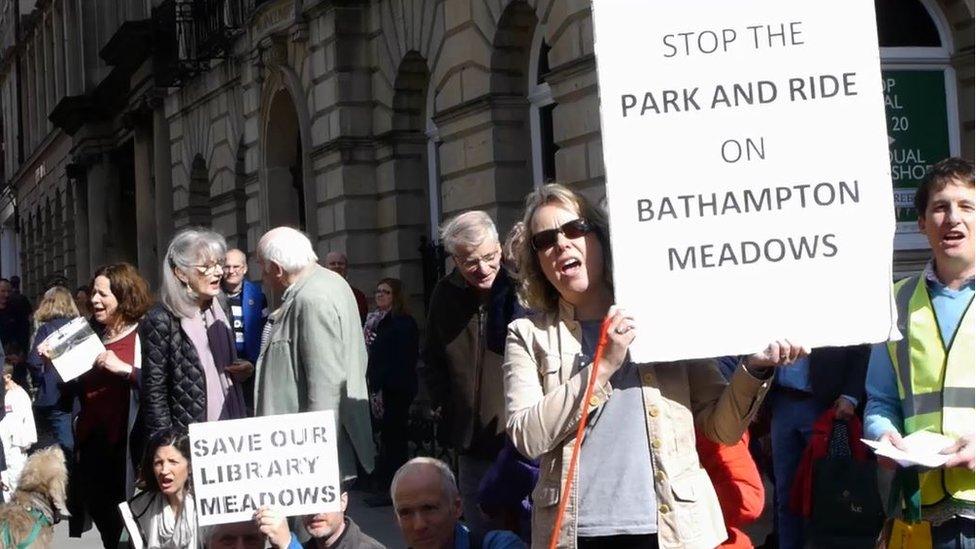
x: 213, y: 340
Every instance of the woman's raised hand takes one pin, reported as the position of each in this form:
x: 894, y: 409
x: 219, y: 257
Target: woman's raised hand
x: 620, y: 334
x: 778, y: 353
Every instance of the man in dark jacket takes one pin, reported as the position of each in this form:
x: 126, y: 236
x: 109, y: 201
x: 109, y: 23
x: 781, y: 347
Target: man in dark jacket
x: 247, y: 309
x: 804, y: 390
x: 465, y: 342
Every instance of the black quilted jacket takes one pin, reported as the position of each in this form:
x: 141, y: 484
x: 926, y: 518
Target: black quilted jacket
x: 174, y: 390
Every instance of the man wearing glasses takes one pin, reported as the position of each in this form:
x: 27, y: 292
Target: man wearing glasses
x: 465, y: 343
x: 247, y: 308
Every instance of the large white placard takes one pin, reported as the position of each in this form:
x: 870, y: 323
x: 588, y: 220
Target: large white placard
x: 747, y: 173
x: 286, y: 461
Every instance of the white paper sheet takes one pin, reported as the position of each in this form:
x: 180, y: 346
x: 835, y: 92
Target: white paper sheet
x: 922, y: 448
x: 74, y: 348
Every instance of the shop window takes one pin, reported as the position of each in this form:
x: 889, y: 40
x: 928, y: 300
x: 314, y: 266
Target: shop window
x: 920, y: 101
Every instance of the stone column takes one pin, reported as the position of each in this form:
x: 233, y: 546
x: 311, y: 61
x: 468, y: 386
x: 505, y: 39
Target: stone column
x: 163, y: 175
x: 146, y: 244
x: 82, y: 255
x: 103, y: 207
x: 11, y: 255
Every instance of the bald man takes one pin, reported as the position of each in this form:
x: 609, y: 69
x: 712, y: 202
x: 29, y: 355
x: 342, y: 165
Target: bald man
x: 339, y: 264
x: 247, y: 308
x: 428, y: 510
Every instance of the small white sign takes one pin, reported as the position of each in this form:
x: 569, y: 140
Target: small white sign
x: 747, y: 170
x: 921, y: 448
x: 288, y: 461
x: 73, y: 348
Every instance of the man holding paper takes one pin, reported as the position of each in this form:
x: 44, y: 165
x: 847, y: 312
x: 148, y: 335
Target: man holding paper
x: 927, y: 380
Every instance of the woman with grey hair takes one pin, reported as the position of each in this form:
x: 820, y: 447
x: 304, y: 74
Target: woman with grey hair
x: 190, y: 369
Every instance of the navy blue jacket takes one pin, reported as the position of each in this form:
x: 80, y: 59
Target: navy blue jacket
x: 393, y: 356
x: 255, y: 311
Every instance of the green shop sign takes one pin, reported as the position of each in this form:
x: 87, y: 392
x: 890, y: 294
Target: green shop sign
x: 918, y: 133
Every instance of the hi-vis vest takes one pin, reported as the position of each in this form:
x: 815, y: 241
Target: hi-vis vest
x: 937, y: 386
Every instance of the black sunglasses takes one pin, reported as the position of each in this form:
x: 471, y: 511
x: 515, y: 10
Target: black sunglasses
x: 543, y: 240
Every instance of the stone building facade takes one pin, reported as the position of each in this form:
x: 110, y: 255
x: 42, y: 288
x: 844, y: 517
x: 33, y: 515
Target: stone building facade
x: 363, y: 122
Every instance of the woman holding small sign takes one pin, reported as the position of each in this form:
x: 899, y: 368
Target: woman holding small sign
x: 639, y: 479
x: 190, y: 368
x: 164, y: 510
x: 108, y: 404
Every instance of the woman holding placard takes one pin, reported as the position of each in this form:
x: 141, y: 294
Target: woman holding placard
x: 639, y: 479
x: 164, y: 508
x: 109, y: 403
x: 190, y: 368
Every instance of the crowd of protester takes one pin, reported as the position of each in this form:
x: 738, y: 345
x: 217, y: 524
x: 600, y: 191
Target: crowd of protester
x: 673, y: 454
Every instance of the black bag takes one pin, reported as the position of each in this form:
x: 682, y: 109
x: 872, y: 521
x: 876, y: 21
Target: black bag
x: 846, y: 510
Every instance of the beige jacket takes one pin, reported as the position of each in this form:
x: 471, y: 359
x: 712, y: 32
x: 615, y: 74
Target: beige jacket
x: 543, y: 396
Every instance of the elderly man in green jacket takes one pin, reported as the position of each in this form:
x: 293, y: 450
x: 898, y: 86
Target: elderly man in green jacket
x: 315, y: 357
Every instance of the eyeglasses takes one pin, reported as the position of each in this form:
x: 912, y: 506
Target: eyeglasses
x: 543, y: 240
x: 473, y: 263
x: 213, y: 268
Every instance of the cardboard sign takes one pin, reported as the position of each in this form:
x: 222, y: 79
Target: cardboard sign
x: 289, y: 462
x: 747, y: 169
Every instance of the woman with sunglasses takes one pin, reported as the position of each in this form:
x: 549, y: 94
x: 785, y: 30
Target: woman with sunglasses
x: 393, y: 342
x: 639, y: 479
x: 190, y: 370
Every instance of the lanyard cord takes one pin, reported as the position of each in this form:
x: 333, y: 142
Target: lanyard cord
x: 580, y: 429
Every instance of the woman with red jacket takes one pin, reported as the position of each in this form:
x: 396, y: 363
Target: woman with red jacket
x: 737, y: 483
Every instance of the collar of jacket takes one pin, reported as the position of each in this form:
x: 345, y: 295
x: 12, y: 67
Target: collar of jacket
x: 297, y: 286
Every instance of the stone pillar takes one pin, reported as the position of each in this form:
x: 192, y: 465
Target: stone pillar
x: 82, y: 255
x: 146, y: 244
x: 10, y: 262
x: 104, y: 207
x: 163, y: 175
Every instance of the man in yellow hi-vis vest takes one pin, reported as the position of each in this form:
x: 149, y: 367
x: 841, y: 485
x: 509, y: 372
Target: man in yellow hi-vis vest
x: 927, y: 381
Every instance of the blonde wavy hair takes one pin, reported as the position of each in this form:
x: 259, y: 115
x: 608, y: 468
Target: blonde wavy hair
x: 56, y: 303
x: 534, y: 289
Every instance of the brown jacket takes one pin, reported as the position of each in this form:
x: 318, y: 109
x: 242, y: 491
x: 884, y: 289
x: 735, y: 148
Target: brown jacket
x: 543, y: 396
x: 462, y: 355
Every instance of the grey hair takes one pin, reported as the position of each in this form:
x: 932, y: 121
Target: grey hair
x: 448, y: 482
x: 194, y: 245
x: 467, y: 229
x: 289, y: 248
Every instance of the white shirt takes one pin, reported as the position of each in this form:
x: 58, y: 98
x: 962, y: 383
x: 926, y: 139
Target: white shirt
x: 17, y: 427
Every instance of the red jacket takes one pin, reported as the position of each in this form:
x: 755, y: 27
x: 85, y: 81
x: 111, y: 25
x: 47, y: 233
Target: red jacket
x: 800, y: 492
x: 737, y: 483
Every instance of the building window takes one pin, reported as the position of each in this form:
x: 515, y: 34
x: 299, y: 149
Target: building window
x: 541, y: 105
x: 920, y: 101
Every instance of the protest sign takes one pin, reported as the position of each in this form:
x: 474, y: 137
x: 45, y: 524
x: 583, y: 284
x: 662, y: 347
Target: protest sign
x: 74, y: 348
x: 747, y: 169
x: 287, y: 461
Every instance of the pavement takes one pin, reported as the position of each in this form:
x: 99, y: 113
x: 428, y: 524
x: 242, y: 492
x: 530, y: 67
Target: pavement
x: 378, y: 522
